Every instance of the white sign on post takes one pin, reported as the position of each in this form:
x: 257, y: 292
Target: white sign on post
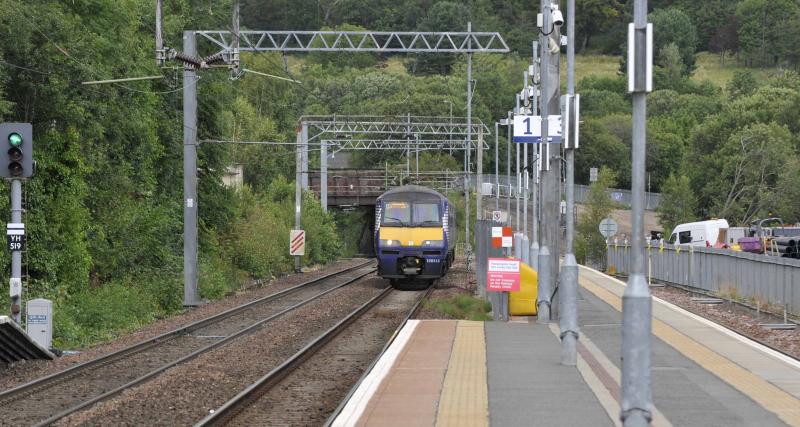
x: 570, y: 111
x: 15, y: 287
x: 297, y: 242
x: 499, y: 216
x: 528, y: 129
x: 608, y: 227
x: 593, y: 174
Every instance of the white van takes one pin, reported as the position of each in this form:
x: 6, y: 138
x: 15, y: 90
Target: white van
x: 702, y: 233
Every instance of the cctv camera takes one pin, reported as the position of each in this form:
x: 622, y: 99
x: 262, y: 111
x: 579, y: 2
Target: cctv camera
x: 558, y: 18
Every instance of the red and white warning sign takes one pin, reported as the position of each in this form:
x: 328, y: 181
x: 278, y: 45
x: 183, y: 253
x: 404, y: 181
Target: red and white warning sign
x: 297, y: 242
x: 503, y: 275
x: 502, y: 237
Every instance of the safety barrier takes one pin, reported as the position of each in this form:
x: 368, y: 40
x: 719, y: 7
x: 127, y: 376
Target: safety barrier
x: 768, y: 279
x: 622, y: 196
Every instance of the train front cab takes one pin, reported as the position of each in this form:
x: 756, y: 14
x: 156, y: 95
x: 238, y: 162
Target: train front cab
x: 411, y: 240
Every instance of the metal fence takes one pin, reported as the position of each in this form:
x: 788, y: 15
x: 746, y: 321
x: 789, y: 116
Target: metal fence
x: 652, y: 200
x: 769, y: 279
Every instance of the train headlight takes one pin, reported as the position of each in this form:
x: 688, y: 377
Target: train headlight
x: 389, y: 243
x: 433, y: 243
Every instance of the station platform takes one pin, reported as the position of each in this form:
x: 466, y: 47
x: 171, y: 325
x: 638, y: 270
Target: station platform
x: 462, y: 373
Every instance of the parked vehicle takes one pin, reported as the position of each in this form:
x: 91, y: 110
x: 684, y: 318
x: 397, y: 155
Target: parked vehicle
x: 702, y: 233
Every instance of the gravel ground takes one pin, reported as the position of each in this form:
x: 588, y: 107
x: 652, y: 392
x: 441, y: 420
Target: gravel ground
x: 310, y: 394
x: 27, y: 371
x: 457, y: 281
x: 738, y: 318
x: 90, y: 383
x: 183, y: 395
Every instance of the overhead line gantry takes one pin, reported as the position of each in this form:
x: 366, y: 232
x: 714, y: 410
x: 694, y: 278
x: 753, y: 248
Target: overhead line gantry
x: 232, y: 43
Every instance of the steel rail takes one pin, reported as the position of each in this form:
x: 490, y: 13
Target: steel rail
x: 144, y: 345
x: 43, y: 382
x: 194, y: 354
x: 245, y: 398
x: 374, y: 362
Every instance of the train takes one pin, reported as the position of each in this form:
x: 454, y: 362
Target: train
x: 415, y: 235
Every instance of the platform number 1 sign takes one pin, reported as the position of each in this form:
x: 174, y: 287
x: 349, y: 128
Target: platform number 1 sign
x: 528, y: 129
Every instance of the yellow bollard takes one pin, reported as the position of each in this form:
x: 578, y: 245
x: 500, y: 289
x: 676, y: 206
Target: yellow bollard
x: 523, y: 303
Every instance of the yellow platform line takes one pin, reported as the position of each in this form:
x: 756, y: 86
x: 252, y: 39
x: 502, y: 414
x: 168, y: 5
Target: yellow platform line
x: 770, y: 397
x: 465, y: 398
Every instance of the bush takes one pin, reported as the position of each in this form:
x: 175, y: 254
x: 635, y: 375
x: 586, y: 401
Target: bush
x: 100, y: 314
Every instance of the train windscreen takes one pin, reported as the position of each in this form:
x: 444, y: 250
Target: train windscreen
x: 408, y: 214
x: 426, y: 215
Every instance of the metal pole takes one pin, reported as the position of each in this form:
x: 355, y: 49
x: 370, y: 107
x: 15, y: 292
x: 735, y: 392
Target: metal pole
x: 479, y: 178
x: 304, y: 148
x: 535, y: 164
x: 636, y: 301
x: 298, y: 190
x: 450, y: 133
x: 535, y: 168
x: 417, y: 154
x: 190, y: 296
x: 234, y: 59
x: 509, y: 130
x: 525, y: 171
x: 467, y: 246
x: 408, y: 147
x: 16, y: 256
x: 519, y: 176
x: 497, y: 165
x: 569, y: 271
x: 549, y: 251
x: 323, y: 174
x: 159, y: 37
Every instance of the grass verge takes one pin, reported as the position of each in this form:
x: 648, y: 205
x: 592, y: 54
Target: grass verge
x: 461, y: 307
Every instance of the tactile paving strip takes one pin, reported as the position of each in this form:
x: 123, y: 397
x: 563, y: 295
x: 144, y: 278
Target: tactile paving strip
x: 770, y: 397
x: 465, y: 399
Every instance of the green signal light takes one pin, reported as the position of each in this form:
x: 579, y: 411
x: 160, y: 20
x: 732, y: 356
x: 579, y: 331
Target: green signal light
x: 14, y: 139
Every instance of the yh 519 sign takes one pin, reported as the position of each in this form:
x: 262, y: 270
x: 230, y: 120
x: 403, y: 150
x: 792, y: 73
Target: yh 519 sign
x: 15, y: 234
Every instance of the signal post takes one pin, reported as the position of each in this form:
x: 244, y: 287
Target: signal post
x: 17, y: 156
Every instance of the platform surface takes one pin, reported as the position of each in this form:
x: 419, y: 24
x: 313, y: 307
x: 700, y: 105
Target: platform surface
x: 460, y: 373
x: 16, y: 345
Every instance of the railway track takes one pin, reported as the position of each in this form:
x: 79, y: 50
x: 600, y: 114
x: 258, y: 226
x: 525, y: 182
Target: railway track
x: 311, y: 384
x: 51, y: 398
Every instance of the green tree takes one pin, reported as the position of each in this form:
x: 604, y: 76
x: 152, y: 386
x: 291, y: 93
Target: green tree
x: 673, y: 26
x: 590, y: 245
x: 599, y: 148
x: 595, y: 16
x: 743, y: 83
x: 678, y: 203
x: 749, y: 168
x: 442, y: 16
x: 669, y: 72
x: 766, y: 32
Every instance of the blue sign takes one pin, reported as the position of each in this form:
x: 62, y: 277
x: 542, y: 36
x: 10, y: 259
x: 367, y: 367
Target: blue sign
x: 37, y: 319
